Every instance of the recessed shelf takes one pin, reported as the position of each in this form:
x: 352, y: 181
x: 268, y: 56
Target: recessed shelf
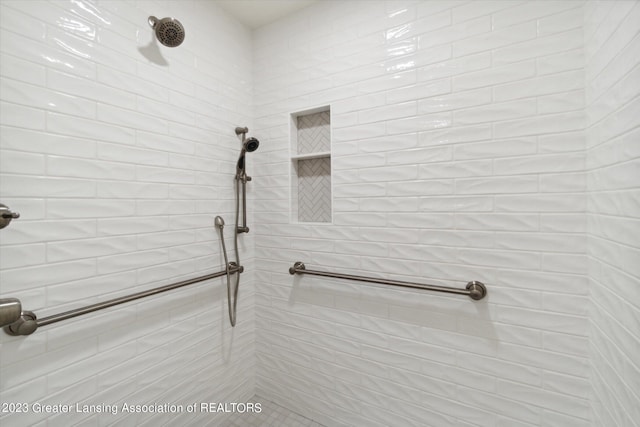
x: 311, y: 155
x: 311, y: 192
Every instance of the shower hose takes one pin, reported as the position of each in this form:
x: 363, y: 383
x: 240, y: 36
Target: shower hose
x: 232, y: 302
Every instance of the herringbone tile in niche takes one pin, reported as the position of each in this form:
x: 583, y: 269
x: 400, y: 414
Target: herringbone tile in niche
x: 314, y: 133
x: 314, y: 190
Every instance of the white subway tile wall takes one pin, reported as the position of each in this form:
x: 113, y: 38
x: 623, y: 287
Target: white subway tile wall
x: 471, y: 140
x: 612, y: 50
x: 118, y: 153
x: 458, y: 154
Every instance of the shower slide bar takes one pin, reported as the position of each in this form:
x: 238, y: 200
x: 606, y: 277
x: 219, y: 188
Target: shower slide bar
x: 27, y: 322
x: 474, y: 290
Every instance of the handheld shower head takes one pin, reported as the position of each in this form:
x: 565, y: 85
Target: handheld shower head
x: 169, y: 31
x: 250, y: 145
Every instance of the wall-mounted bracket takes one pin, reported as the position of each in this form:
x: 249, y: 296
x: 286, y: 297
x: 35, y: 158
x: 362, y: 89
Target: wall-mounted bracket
x: 26, y: 324
x: 10, y: 311
x: 6, y: 215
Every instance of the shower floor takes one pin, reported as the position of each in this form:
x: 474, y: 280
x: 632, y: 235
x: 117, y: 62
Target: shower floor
x: 272, y: 414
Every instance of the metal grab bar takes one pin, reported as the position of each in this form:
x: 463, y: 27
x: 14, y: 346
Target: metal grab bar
x: 474, y: 290
x: 28, y: 322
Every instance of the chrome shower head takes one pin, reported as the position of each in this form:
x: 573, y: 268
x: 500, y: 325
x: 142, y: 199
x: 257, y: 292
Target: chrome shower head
x: 169, y: 31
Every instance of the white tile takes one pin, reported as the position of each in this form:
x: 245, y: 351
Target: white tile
x: 36, y: 276
x: 448, y: 203
x: 494, y: 185
x: 388, y: 173
x: 561, y: 102
x: 41, y: 142
x: 570, y: 324
x: 164, y: 175
x: 538, y: 47
x: 44, y: 55
x: 455, y: 134
x: 540, y: 164
x: 527, y: 11
x: 570, y: 141
x: 479, y: 221
x: 541, y: 125
x: 495, y: 112
x: 497, y: 258
x: 22, y: 163
x: 459, y: 169
x: 495, y: 39
x: 494, y: 76
x: 542, y: 203
x: 563, y: 183
x: 92, y: 169
x: 573, y: 18
x: 536, y: 86
x: 572, y: 365
x: 19, y: 22
x: 39, y: 97
x: 555, y: 401
x: 511, y: 123
x: 418, y: 91
x: 454, y: 101
x: 88, y: 208
x: 454, y: 67
x: 131, y: 119
x: 565, y: 263
x: 564, y: 61
x: 570, y: 243
x: 395, y: 111
x: 472, y: 10
x: 421, y: 155
x: 420, y: 188
x: 20, y: 116
x: 78, y: 249
x: 37, y: 186
x: 496, y: 148
x: 81, y: 87
x: 18, y: 69
x: 83, y: 128
x: 455, y: 32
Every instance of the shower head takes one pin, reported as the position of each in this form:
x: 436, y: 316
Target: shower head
x: 250, y: 145
x: 219, y: 222
x: 169, y: 31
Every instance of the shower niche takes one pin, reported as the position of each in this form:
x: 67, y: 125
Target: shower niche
x: 311, y: 195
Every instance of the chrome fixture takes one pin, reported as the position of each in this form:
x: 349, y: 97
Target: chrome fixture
x: 248, y: 145
x: 169, y: 31
x: 27, y: 322
x: 219, y: 223
x: 6, y: 215
x: 474, y: 290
